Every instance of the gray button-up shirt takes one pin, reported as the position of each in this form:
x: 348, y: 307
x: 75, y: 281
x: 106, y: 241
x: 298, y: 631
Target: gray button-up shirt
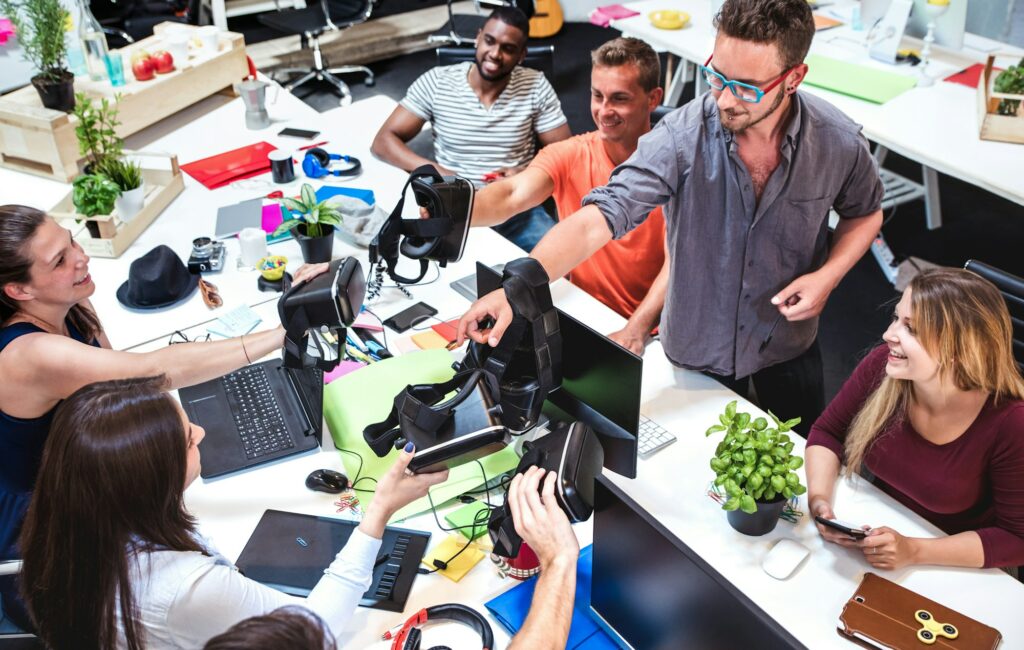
x: 729, y: 254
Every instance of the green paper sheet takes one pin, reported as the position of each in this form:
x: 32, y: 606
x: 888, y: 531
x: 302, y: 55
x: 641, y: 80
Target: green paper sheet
x: 860, y: 81
x: 360, y: 398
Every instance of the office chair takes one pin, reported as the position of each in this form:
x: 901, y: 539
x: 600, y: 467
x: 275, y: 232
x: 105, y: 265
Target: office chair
x: 310, y: 23
x: 661, y: 111
x: 538, y: 57
x: 1012, y: 288
x: 12, y: 637
x: 461, y: 29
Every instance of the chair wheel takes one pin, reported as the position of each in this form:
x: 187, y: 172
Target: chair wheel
x: 370, y: 83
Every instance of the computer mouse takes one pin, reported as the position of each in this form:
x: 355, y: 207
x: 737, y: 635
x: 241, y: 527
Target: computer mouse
x: 784, y: 558
x: 327, y: 480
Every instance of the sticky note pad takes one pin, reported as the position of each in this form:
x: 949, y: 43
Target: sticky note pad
x: 429, y: 340
x: 461, y: 565
x: 240, y: 320
x: 466, y: 520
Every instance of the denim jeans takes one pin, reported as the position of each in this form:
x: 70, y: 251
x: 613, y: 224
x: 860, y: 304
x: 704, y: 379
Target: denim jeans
x: 526, y: 228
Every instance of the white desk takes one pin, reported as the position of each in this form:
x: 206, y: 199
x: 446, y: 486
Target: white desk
x: 671, y: 484
x: 207, y: 128
x: 935, y: 126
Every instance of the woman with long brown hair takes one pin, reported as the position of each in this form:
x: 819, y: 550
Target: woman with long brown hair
x: 936, y: 415
x: 52, y: 344
x: 113, y: 558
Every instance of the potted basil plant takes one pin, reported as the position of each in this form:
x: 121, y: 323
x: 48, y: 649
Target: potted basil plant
x: 312, y: 224
x: 94, y: 195
x: 39, y: 25
x: 755, y: 466
x: 127, y: 175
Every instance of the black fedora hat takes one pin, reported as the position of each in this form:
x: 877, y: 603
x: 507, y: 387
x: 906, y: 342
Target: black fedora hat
x: 157, y: 279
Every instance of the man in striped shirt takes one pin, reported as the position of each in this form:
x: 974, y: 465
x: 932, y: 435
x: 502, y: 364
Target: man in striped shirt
x: 485, y: 116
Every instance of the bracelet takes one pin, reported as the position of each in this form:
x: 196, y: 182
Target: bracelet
x: 247, y: 359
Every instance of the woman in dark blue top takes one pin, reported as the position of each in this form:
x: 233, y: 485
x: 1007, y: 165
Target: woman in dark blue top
x: 52, y: 344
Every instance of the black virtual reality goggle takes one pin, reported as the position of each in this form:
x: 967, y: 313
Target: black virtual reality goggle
x: 316, y: 313
x: 574, y: 453
x: 441, y: 237
x: 499, y: 391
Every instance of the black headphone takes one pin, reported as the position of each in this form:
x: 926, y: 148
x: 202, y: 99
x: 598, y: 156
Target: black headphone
x: 408, y: 636
x: 317, y: 163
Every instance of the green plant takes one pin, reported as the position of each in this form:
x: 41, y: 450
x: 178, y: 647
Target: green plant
x: 97, y: 131
x: 94, y: 195
x: 40, y: 28
x: 1011, y: 82
x: 127, y: 175
x: 755, y: 461
x: 306, y: 210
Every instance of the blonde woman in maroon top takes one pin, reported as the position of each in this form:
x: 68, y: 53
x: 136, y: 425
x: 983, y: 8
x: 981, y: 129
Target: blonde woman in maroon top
x: 937, y: 416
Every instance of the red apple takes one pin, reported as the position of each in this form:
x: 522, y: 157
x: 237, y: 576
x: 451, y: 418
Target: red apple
x: 142, y: 69
x: 163, y: 62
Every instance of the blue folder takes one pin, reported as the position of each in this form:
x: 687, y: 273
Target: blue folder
x: 511, y: 607
x: 325, y: 192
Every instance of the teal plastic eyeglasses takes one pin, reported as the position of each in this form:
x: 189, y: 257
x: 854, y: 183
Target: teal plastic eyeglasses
x: 742, y: 91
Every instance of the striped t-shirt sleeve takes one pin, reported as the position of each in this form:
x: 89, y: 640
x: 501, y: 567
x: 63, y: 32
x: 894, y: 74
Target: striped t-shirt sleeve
x: 548, y: 113
x: 419, y: 99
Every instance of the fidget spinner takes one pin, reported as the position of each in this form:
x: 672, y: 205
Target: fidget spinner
x: 930, y: 628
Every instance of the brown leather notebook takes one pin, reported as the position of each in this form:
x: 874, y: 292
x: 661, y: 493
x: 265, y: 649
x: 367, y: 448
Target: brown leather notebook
x: 883, y: 614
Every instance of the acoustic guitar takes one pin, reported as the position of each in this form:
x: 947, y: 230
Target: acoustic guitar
x: 547, y: 19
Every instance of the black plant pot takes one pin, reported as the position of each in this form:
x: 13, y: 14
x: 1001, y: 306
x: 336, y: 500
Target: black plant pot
x: 58, y: 95
x: 761, y: 522
x: 315, y: 249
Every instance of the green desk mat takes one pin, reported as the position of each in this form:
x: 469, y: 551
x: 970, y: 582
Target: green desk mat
x: 860, y: 81
x: 363, y: 397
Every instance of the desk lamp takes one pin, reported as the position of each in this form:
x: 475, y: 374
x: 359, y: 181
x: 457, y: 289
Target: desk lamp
x: 934, y: 9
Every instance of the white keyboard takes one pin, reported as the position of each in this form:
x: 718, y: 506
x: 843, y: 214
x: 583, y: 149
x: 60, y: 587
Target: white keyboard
x: 653, y: 437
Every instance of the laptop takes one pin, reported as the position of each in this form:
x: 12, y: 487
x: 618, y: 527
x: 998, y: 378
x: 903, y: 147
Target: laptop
x: 289, y: 552
x: 650, y: 590
x: 255, y: 415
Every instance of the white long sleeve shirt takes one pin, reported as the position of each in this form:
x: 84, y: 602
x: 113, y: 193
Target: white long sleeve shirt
x: 185, y: 598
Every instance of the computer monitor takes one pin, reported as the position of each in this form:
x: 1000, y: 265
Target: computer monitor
x: 601, y: 383
x: 650, y: 590
x: 949, y: 27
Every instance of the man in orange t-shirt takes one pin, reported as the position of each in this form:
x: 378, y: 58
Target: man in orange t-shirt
x: 630, y: 275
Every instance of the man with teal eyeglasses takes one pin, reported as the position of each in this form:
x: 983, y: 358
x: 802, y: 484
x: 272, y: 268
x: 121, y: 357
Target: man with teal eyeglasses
x: 747, y: 174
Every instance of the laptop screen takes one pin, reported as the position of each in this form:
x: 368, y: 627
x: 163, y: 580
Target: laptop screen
x: 309, y: 387
x: 650, y: 590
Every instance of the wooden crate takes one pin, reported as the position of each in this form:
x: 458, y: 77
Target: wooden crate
x: 1002, y: 128
x: 42, y: 141
x: 115, y: 236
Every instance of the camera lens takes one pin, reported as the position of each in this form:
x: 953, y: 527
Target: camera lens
x: 202, y: 247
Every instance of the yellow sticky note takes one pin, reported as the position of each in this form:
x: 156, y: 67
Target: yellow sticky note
x: 429, y: 340
x: 461, y: 565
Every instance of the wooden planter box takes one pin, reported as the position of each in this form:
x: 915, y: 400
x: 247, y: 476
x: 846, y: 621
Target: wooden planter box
x: 162, y: 184
x: 42, y: 141
x: 1002, y: 128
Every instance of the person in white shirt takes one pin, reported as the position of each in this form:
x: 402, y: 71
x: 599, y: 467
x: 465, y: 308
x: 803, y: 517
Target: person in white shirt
x: 113, y: 559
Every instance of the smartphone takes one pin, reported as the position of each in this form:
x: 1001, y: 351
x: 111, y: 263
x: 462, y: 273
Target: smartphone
x: 410, y: 317
x: 299, y: 133
x: 843, y: 527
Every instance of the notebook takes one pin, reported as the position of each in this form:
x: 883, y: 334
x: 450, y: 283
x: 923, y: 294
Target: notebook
x: 289, y: 552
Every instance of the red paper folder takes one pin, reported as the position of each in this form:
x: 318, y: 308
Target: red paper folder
x: 230, y: 166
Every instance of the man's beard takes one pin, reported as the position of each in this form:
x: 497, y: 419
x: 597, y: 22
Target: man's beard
x: 774, y: 107
x: 486, y: 77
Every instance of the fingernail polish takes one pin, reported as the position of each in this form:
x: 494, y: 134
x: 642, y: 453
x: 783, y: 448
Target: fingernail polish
x: 409, y: 447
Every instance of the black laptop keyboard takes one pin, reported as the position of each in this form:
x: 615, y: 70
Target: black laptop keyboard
x: 256, y: 413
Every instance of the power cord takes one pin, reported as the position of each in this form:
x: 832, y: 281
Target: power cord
x: 481, y: 518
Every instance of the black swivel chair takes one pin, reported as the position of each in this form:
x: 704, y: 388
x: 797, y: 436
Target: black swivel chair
x: 310, y: 23
x: 538, y: 57
x: 1012, y: 288
x: 461, y: 29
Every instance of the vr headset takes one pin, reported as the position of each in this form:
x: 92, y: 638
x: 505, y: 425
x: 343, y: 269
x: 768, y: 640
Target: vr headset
x: 499, y: 391
x: 574, y: 452
x: 316, y: 313
x: 441, y: 238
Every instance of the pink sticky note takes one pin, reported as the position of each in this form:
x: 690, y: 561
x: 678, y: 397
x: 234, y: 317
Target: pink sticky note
x: 342, y: 369
x: 272, y: 217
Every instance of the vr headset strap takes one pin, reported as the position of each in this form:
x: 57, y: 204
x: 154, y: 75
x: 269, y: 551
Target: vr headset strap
x: 385, y: 245
x: 526, y: 286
